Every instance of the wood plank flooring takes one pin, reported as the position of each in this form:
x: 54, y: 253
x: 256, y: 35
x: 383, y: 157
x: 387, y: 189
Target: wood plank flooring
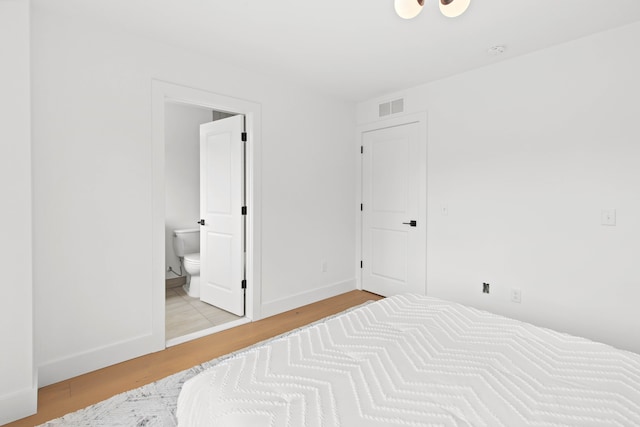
x: 76, y: 393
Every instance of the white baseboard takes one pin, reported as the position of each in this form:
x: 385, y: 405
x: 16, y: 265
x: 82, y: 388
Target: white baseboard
x: 281, y: 305
x: 18, y: 405
x: 88, y: 361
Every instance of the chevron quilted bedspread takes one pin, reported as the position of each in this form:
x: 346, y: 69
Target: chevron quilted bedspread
x: 412, y: 360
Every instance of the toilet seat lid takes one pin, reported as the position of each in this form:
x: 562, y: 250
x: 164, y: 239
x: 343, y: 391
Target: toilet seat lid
x: 193, y: 258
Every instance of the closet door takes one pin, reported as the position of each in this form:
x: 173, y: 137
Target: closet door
x: 393, y: 214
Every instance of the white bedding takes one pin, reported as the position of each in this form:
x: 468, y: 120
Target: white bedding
x: 413, y: 360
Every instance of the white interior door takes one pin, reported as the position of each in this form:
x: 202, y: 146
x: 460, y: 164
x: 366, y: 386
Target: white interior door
x: 221, y: 202
x: 394, y: 210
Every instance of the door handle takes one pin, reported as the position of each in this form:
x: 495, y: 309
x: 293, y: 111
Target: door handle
x: 412, y: 223
x: 201, y: 222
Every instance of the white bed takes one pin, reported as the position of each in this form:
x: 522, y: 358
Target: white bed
x: 413, y: 360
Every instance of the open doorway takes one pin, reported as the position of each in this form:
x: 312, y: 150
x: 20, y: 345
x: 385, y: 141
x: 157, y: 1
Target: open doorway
x: 179, y: 312
x: 187, y: 310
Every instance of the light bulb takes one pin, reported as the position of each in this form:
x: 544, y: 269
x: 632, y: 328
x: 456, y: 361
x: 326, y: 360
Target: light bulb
x: 453, y: 8
x: 408, y: 9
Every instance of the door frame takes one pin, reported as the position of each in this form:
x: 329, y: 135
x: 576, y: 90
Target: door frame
x: 163, y: 92
x: 421, y: 119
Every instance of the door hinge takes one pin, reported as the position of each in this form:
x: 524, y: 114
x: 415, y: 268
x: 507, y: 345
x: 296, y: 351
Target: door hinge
x: 244, y: 210
x: 362, y: 149
x: 361, y: 207
x: 360, y: 264
x: 244, y: 137
x: 244, y: 284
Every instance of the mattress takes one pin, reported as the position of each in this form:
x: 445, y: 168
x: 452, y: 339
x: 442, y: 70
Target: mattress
x: 411, y: 360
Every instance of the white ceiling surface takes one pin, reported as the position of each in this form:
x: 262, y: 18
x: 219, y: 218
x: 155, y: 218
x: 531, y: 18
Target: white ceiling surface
x: 356, y: 49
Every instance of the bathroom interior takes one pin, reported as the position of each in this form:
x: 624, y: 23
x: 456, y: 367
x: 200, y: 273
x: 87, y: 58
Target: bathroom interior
x: 186, y: 316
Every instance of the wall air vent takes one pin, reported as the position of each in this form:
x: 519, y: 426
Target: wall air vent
x: 391, y: 107
x: 397, y: 106
x: 384, y: 109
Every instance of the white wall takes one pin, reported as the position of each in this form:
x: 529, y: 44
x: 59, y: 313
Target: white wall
x: 182, y: 172
x: 18, y: 388
x: 525, y: 154
x: 92, y: 152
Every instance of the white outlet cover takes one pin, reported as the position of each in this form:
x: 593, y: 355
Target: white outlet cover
x: 516, y: 296
x: 608, y: 217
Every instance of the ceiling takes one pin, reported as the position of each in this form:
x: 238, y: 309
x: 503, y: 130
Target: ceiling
x: 355, y: 49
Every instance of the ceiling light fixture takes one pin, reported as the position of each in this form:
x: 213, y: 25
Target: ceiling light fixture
x: 408, y: 9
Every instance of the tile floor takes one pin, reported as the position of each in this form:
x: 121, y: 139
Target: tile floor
x: 185, y: 315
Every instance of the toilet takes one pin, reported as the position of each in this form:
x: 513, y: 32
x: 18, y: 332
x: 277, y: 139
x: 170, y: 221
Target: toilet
x: 186, y: 244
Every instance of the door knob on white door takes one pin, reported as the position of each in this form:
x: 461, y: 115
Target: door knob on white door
x: 412, y: 223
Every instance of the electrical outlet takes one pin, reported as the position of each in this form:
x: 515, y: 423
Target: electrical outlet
x: 516, y: 295
x: 323, y: 266
x: 608, y: 217
x: 485, y: 288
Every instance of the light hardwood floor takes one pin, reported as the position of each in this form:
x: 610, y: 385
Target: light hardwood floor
x: 76, y: 393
